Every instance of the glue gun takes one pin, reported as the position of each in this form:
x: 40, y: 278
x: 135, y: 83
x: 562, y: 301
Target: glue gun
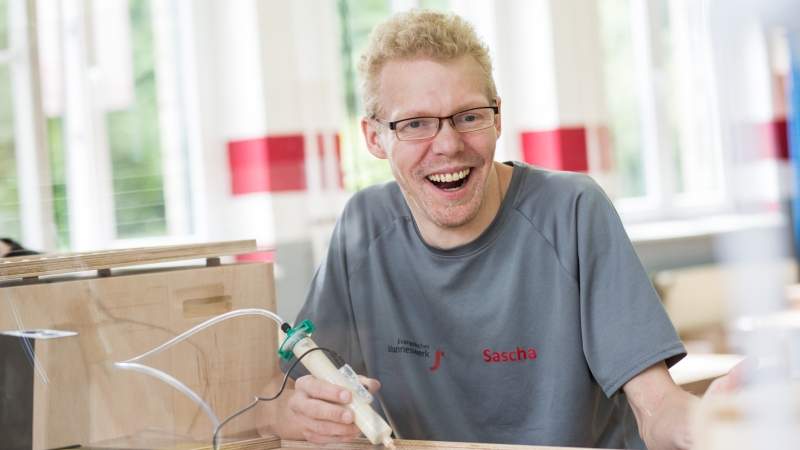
x: 298, y: 343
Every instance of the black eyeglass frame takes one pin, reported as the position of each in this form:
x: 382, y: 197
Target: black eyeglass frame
x: 393, y: 124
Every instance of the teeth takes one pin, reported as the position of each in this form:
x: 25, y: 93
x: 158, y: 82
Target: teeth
x: 449, y: 177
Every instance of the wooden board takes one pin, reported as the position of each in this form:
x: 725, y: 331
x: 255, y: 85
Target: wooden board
x: 273, y: 442
x: 124, y: 315
x: 159, y: 442
x: 363, y: 444
x: 696, y: 371
x: 264, y: 443
x: 40, y: 265
x: 407, y: 444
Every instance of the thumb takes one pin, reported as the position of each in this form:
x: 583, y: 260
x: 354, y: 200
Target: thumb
x: 731, y: 382
x: 371, y: 384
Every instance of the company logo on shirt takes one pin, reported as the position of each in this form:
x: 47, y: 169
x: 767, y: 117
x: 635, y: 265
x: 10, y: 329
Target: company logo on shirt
x: 521, y: 354
x: 410, y: 347
x: 413, y: 348
x: 438, y: 361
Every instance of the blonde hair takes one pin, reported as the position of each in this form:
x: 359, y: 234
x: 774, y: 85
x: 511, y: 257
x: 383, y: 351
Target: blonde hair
x: 420, y: 33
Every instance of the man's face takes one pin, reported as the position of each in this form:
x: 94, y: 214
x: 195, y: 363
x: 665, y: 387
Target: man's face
x: 429, y: 88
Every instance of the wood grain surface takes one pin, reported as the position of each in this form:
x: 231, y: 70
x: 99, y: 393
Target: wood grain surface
x: 40, y: 265
x: 80, y: 397
x: 408, y: 444
x: 273, y: 442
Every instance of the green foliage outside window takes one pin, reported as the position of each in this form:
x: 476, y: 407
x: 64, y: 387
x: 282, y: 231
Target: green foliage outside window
x: 134, y: 141
x: 3, y: 25
x: 623, y: 108
x: 361, y: 169
x: 9, y: 194
x: 58, y: 181
x: 441, y: 5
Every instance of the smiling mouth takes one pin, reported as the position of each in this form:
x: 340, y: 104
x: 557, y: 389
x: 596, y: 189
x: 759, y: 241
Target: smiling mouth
x: 450, y: 181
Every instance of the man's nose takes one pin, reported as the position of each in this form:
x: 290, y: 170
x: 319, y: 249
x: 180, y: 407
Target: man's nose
x: 448, y: 140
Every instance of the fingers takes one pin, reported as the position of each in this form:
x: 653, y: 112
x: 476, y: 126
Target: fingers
x: 322, y: 390
x: 371, y: 384
x: 327, y: 430
x: 320, y: 411
x: 718, y: 386
x: 733, y: 381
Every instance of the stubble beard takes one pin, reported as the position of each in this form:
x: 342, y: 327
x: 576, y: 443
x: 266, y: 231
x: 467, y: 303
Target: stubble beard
x: 443, y: 216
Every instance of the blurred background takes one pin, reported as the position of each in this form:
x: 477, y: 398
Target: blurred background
x: 126, y: 123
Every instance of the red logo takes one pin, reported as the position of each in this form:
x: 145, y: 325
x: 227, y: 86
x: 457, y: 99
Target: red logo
x: 521, y: 354
x: 437, y: 361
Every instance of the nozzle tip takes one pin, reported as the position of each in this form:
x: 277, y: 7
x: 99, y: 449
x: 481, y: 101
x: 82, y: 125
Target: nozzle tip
x: 389, y: 443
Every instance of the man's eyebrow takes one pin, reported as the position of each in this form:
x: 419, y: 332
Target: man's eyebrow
x: 420, y: 113
x: 414, y: 113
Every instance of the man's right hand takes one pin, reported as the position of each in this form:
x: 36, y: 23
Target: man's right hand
x: 321, y: 412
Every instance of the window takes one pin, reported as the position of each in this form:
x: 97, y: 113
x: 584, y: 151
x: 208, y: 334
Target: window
x: 133, y: 139
x: 55, y: 146
x: 117, y: 98
x: 624, y: 121
x: 9, y: 197
x: 358, y: 17
x: 361, y: 169
x: 102, y: 117
x: 667, y: 159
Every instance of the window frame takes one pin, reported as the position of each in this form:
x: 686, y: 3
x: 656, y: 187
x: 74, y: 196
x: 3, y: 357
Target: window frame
x: 88, y: 169
x: 30, y: 153
x: 662, y: 201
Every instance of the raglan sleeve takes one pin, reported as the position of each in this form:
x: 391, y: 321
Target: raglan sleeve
x: 329, y: 307
x: 624, y: 326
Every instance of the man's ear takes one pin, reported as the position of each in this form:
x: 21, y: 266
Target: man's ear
x: 498, y: 125
x: 372, y: 138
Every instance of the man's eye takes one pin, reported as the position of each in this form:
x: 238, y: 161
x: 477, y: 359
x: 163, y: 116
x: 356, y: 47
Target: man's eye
x: 414, y: 124
x: 469, y: 118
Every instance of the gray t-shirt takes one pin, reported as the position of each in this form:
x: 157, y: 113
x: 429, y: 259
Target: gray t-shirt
x: 523, y: 336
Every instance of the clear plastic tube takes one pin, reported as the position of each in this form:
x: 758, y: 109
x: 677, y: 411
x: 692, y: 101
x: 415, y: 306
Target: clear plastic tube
x: 174, y: 382
x: 131, y: 364
x: 212, y: 321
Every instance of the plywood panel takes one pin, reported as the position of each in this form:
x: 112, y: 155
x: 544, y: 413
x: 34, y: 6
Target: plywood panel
x: 40, y: 265
x: 155, y: 441
x: 407, y: 444
x: 60, y: 388
x: 271, y: 442
x: 124, y: 315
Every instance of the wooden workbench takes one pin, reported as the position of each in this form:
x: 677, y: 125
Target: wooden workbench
x: 363, y: 444
x: 406, y: 444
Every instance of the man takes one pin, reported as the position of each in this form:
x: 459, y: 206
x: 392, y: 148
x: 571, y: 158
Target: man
x: 494, y: 302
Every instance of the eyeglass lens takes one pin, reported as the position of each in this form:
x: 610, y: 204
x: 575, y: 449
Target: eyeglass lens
x: 426, y: 127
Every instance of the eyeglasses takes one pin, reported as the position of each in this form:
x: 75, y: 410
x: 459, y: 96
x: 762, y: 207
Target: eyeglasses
x: 418, y: 128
